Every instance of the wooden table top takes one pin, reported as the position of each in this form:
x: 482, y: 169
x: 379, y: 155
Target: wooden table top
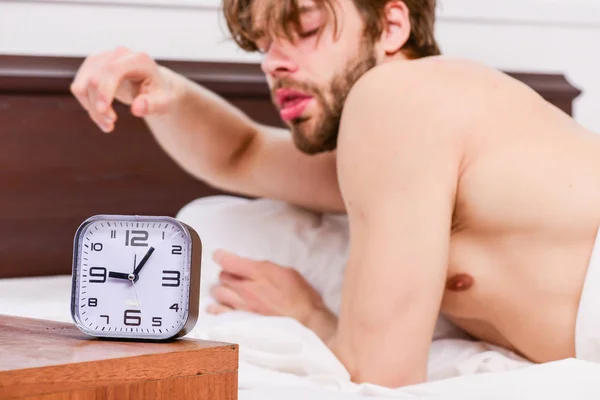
x: 38, y: 356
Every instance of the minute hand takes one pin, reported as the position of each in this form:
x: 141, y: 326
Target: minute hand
x: 137, y: 269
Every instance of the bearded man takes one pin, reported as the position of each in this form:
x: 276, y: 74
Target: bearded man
x: 467, y: 194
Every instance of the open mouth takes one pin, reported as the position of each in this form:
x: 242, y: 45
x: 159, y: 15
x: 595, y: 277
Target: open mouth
x: 292, y: 103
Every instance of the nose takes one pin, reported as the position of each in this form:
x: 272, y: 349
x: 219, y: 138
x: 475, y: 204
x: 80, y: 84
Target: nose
x: 276, y: 63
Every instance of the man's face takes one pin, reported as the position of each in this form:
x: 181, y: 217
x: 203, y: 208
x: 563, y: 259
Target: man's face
x: 310, y: 76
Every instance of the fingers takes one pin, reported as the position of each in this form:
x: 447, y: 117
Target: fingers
x: 136, y: 67
x: 118, y: 74
x: 106, y: 119
x: 225, y: 294
x: 218, y: 309
x: 88, y: 75
x: 236, y: 265
x: 146, y: 104
x: 227, y: 297
x: 230, y: 280
x: 79, y: 86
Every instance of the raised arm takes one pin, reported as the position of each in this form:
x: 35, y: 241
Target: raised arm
x: 398, y: 169
x: 208, y: 137
x: 216, y: 142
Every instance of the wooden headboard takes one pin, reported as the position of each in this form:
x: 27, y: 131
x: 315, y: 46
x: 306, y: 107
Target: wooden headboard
x: 57, y: 168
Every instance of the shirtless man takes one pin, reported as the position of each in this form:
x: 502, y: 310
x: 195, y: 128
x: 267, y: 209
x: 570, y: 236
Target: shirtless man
x: 466, y: 192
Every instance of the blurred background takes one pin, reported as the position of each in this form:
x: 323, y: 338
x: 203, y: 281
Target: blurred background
x: 559, y: 36
x: 57, y: 168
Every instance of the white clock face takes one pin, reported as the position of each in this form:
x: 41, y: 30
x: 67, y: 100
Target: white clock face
x: 131, y: 277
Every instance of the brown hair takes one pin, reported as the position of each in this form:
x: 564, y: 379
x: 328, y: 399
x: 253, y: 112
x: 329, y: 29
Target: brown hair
x: 278, y: 15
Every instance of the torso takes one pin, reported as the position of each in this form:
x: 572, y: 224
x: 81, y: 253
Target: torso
x: 527, y: 212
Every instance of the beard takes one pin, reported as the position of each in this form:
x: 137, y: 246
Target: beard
x: 322, y: 134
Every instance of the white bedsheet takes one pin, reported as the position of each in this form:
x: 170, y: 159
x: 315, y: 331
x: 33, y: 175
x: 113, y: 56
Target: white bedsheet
x: 279, y: 357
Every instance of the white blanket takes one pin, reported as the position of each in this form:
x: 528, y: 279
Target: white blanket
x: 278, y: 356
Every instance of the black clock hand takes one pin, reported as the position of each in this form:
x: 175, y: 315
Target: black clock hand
x: 137, y: 269
x: 118, y: 275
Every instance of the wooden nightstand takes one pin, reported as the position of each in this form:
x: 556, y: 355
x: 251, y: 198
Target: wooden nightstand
x: 55, y: 361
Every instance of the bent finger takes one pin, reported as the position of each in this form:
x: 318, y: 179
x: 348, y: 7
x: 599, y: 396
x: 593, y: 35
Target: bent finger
x: 151, y: 103
x: 229, y: 279
x: 90, y: 68
x: 136, y: 67
x: 217, y: 309
x: 103, y: 120
x: 227, y: 296
x: 236, y: 265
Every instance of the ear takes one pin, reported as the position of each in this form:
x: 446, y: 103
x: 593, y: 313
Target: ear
x: 396, y: 27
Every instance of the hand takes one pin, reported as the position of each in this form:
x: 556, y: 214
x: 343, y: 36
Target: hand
x: 137, y: 269
x: 263, y: 287
x: 132, y: 78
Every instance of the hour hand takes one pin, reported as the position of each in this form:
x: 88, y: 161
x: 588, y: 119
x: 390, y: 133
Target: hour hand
x: 118, y: 275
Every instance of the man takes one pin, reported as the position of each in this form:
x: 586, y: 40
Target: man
x: 467, y: 193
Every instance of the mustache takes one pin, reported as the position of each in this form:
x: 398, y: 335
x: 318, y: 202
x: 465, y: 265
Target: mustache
x: 288, y: 83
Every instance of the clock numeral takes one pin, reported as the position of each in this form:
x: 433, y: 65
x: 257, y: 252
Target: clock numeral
x: 98, y: 272
x: 132, y: 320
x: 171, y: 281
x: 92, y: 302
x: 176, y: 249
x: 107, y: 318
x: 97, y: 247
x: 113, y: 234
x: 174, y: 307
x: 157, y: 321
x: 138, y: 238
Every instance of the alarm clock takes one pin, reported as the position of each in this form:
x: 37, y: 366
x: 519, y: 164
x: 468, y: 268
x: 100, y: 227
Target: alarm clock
x: 135, y: 277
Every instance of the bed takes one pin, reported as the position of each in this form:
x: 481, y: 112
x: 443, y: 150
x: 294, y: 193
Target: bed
x: 58, y: 169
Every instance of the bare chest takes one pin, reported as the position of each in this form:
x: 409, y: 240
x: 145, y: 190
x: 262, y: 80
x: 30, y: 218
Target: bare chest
x: 524, y: 225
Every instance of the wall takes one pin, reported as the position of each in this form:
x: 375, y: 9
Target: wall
x: 532, y: 36
x: 518, y: 35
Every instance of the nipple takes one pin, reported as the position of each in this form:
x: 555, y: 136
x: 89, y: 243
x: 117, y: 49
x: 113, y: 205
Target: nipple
x: 460, y: 282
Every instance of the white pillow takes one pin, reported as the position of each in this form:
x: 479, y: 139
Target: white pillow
x: 316, y: 245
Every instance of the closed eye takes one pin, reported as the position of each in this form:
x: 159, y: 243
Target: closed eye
x: 305, y: 35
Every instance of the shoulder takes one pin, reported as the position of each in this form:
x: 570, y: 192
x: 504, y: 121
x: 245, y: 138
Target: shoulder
x: 428, y: 82
x: 401, y: 113
x: 433, y: 96
x: 429, y: 70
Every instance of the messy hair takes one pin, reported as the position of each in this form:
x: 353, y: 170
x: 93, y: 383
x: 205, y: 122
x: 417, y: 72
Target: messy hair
x: 282, y: 15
